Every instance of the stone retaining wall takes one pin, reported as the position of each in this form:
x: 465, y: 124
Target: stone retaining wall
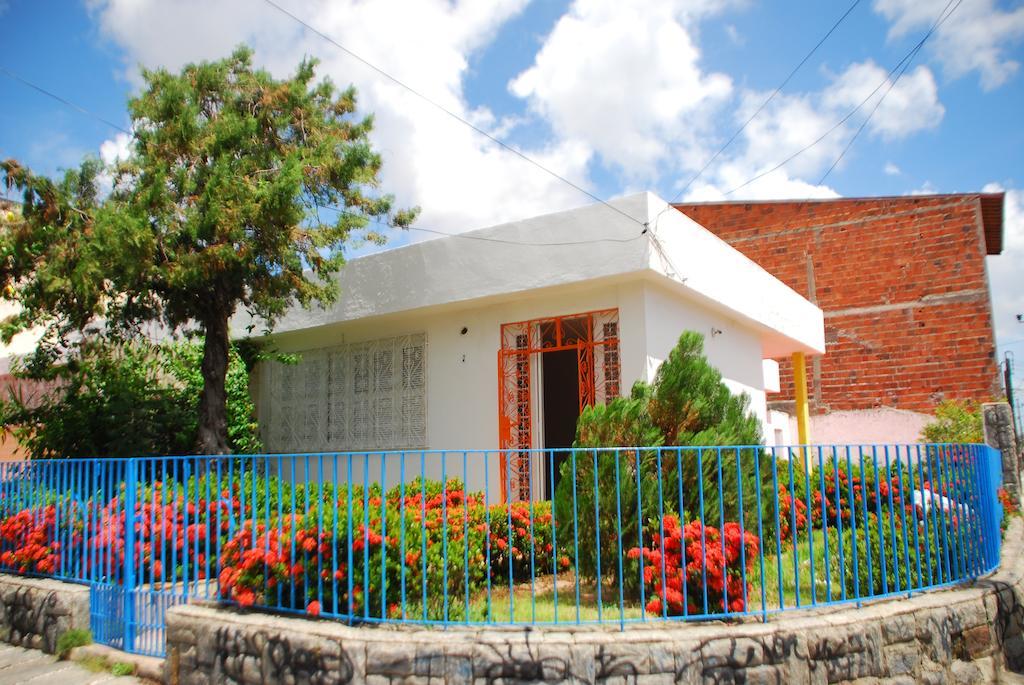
x: 963, y: 636
x: 35, y: 612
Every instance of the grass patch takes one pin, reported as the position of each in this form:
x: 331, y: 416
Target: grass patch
x: 68, y: 640
x: 542, y: 608
x: 536, y: 603
x: 96, y: 664
x: 120, y: 668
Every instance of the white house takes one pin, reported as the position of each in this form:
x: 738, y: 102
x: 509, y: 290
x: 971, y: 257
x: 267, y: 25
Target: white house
x: 496, y: 338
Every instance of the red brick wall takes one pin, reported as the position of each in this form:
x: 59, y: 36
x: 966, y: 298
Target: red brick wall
x: 901, y: 281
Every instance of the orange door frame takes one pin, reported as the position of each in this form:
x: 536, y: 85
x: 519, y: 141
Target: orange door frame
x: 521, y: 341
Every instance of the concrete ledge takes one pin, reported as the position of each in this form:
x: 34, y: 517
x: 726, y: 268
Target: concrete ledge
x: 965, y: 635
x: 146, y: 667
x: 35, y: 612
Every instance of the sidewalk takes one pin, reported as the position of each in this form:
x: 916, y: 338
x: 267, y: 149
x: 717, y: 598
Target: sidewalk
x: 19, y: 665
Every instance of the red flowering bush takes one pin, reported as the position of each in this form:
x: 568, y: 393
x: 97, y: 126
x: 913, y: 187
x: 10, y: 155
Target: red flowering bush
x: 167, y: 519
x: 1009, y: 503
x: 520, y: 549
x: 174, y: 529
x: 837, y: 497
x: 357, y: 554
x: 28, y: 541
x: 352, y: 550
x: 1010, y: 507
x: 791, y: 510
x: 692, y: 567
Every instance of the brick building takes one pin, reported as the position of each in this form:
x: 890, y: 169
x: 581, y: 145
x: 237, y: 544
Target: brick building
x: 903, y: 285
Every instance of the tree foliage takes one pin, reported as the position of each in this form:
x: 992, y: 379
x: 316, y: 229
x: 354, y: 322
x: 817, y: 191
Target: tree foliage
x: 124, y: 400
x: 241, y: 191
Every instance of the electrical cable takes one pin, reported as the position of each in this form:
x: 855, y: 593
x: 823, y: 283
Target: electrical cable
x: 464, y: 236
x: 11, y: 75
x: 943, y: 16
x: 888, y: 90
x: 470, y: 236
x: 449, y: 112
x: 765, y: 103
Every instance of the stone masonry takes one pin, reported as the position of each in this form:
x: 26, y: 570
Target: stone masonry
x: 35, y: 612
x: 965, y: 635
x: 997, y: 423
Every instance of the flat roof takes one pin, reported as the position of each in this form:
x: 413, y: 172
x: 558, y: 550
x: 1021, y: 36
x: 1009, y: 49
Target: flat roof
x: 634, y: 238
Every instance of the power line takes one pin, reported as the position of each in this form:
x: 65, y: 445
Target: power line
x: 766, y: 102
x: 888, y: 90
x: 464, y: 236
x: 11, y: 75
x: 93, y: 115
x: 412, y: 228
x: 449, y: 112
x: 909, y: 56
x: 470, y: 236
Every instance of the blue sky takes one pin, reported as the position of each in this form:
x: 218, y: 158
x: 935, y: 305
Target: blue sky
x: 616, y: 96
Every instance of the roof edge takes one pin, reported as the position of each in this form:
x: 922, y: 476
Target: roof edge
x: 991, y: 206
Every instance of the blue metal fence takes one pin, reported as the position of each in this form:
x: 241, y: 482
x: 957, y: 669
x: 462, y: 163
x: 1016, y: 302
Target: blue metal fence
x: 628, y: 534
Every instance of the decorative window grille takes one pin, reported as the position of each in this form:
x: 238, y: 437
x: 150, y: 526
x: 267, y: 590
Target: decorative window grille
x: 610, y: 360
x: 360, y: 396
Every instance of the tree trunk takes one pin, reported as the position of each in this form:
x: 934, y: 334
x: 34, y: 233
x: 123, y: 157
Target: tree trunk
x: 213, y: 422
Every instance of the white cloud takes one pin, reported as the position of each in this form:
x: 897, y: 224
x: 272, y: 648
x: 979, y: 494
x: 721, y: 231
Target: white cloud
x: 626, y: 80
x: 1004, y: 270
x: 116, y: 149
x: 909, y: 106
x: 662, y: 119
x: 804, y: 121
x: 891, y: 169
x: 975, y: 38
x: 926, y: 188
x: 777, y: 185
x: 460, y: 179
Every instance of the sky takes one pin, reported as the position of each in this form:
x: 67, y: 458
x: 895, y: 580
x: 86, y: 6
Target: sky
x: 612, y: 95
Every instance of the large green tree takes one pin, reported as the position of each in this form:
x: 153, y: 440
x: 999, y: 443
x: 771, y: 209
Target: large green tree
x: 229, y: 199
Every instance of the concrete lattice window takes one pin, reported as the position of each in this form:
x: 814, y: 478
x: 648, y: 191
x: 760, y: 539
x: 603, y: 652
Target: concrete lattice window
x: 360, y: 396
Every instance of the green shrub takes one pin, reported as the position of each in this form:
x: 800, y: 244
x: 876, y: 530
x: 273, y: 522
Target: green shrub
x: 687, y: 405
x: 69, y: 639
x: 955, y: 422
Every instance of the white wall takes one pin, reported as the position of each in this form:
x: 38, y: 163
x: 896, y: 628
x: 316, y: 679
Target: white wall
x: 780, y: 429
x: 461, y: 370
x: 573, y: 248
x: 708, y: 268
x: 735, y: 351
x: 462, y: 374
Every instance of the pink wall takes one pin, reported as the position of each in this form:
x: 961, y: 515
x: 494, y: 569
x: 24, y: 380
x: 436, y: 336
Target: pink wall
x: 866, y: 426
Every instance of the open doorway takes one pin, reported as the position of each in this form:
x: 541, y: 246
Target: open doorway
x: 548, y: 369
x: 561, y: 408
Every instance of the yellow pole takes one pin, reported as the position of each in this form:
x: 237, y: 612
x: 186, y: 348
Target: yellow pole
x: 803, y: 415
